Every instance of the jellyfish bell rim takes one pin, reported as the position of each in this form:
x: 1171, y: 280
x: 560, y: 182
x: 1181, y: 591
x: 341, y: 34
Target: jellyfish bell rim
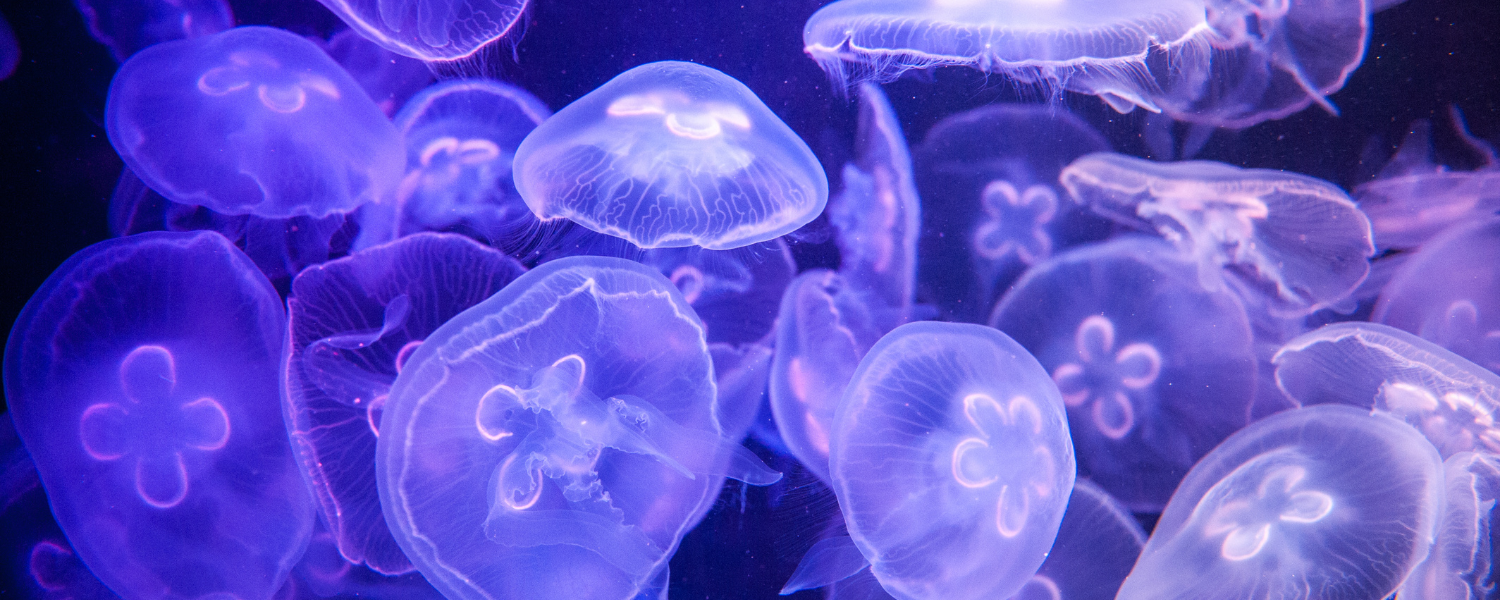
x: 349, y: 16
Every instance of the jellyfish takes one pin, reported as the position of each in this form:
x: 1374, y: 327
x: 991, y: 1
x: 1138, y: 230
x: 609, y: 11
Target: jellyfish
x: 354, y: 322
x: 1448, y: 292
x: 430, y: 30
x: 1414, y: 199
x: 1097, y: 544
x: 253, y: 121
x: 323, y: 573
x: 556, y: 440
x: 1316, y: 502
x: 1452, y: 401
x: 129, y: 26
x: 389, y: 78
x: 988, y: 179
x: 1297, y: 241
x: 142, y: 378
x: 1148, y: 388
x: 672, y: 154
x: 10, y: 50
x: 1463, y: 553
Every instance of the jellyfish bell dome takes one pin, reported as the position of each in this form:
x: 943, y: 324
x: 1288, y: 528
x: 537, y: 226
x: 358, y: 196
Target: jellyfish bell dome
x: 430, y: 30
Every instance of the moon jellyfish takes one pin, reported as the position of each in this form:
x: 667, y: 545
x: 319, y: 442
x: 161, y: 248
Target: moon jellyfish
x: 1321, y: 502
x: 1297, y: 240
x: 354, y: 322
x: 672, y: 154
x: 142, y: 379
x: 128, y: 26
x: 952, y: 462
x: 1413, y: 199
x: 1451, y: 400
x: 1449, y: 292
x: 1096, y: 546
x: 430, y: 30
x: 324, y: 573
x: 991, y: 201
x: 10, y: 50
x: 390, y: 79
x: 251, y: 121
x: 1149, y: 389
x: 1462, y: 556
x: 557, y: 439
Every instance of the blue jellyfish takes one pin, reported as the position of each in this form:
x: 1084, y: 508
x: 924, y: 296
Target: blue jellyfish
x: 1413, y: 199
x: 10, y: 50
x: 353, y: 324
x: 1318, y: 502
x: 389, y: 78
x: 1149, y: 389
x: 431, y: 30
x: 1297, y: 241
x: 557, y: 439
x: 129, y: 26
x: 1452, y: 401
x: 1464, y: 551
x: 142, y: 379
x: 324, y: 573
x: 251, y: 121
x: 1097, y: 544
x: 672, y: 154
x: 991, y: 201
x: 1449, y: 293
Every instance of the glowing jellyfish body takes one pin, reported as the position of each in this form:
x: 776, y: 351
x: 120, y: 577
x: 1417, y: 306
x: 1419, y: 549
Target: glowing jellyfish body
x: 1097, y: 544
x: 251, y: 121
x: 10, y: 50
x: 142, y: 378
x: 353, y: 324
x: 672, y: 154
x: 390, y: 79
x: 1449, y: 293
x: 1320, y: 502
x: 430, y: 30
x: 952, y: 462
x: 1452, y: 401
x: 323, y: 572
x: 1149, y: 388
x: 1299, y: 241
x: 557, y: 439
x: 1414, y: 199
x: 128, y: 26
x: 1464, y: 552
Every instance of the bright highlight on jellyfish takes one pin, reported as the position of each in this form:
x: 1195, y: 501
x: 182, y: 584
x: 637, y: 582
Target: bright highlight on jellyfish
x: 564, y: 430
x: 1448, y: 292
x: 142, y: 378
x: 1463, y: 553
x: 952, y: 462
x: 129, y: 26
x: 430, y: 30
x: 1298, y: 241
x: 672, y: 154
x: 251, y: 121
x: 1319, y: 502
x: 1452, y: 401
x: 1148, y: 388
x: 354, y: 323
x: 1015, y: 222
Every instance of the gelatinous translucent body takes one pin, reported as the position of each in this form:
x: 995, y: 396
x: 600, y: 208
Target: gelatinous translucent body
x: 952, y: 462
x: 1449, y: 292
x: 1320, y: 502
x: 1298, y: 240
x: 1414, y: 199
x: 672, y: 154
x: 128, y: 26
x: 1120, y: 327
x: 390, y: 79
x: 430, y: 29
x: 251, y: 121
x: 142, y: 378
x: 563, y: 430
x: 323, y: 573
x: 10, y: 50
x: 1451, y: 400
x: 354, y: 322
x: 1462, y: 556
x: 736, y: 294
x: 1096, y: 546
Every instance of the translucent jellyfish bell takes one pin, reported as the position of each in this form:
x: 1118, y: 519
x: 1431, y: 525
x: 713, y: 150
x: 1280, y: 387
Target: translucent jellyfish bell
x: 129, y: 26
x: 952, y: 462
x: 1097, y: 544
x: 1414, y: 199
x: 430, y: 30
x: 1451, y: 400
x: 142, y: 378
x: 354, y: 322
x: 1300, y: 241
x: 1148, y: 385
x: 1319, y: 502
x: 672, y: 154
x: 251, y: 121
x: 1463, y: 554
x: 1449, y: 292
x: 558, y: 439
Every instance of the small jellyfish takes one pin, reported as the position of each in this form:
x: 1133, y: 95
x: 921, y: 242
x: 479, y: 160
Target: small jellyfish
x: 253, y: 121
x: 952, y: 462
x: 354, y: 322
x: 557, y: 439
x: 129, y: 26
x: 390, y: 79
x: 1148, y: 387
x: 1413, y: 199
x: 1452, y: 401
x: 142, y: 379
x: 1320, y: 502
x: 430, y: 30
x: 1297, y: 240
x: 737, y: 293
x: 1464, y: 552
x: 1448, y: 292
x: 672, y: 154
x: 1097, y: 544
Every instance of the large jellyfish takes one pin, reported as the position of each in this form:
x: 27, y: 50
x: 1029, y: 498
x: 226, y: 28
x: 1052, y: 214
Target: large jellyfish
x: 1369, y: 365
x: 1449, y: 292
x: 1148, y: 387
x: 142, y: 378
x: 1463, y: 553
x: 430, y: 29
x: 991, y: 200
x: 1322, y: 502
x: 557, y: 439
x: 952, y: 462
x: 251, y: 121
x: 672, y: 154
x: 353, y: 324
x: 129, y: 26
x: 1297, y: 240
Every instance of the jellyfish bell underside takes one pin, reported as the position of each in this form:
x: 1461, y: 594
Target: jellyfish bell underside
x: 430, y: 30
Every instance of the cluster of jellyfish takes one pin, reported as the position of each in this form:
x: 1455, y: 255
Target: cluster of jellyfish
x: 366, y: 335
